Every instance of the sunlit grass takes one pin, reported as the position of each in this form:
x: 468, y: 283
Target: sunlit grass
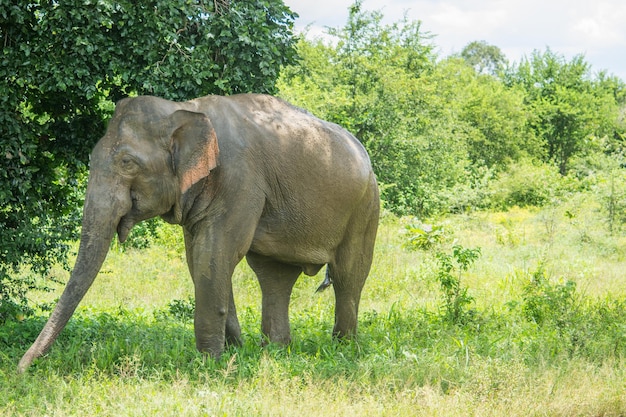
x: 126, y: 352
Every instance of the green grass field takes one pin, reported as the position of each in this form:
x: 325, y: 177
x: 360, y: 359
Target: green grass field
x: 539, y: 330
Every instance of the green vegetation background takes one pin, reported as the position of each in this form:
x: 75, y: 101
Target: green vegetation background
x: 533, y: 324
x: 498, y: 286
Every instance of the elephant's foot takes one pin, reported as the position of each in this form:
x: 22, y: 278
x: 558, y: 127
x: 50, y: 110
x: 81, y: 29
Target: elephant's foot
x: 233, y: 340
x: 280, y: 341
x: 212, y: 346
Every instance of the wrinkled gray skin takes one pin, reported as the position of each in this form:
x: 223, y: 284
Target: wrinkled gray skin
x: 246, y: 175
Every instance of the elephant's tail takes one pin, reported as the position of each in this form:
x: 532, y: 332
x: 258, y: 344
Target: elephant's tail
x: 326, y: 283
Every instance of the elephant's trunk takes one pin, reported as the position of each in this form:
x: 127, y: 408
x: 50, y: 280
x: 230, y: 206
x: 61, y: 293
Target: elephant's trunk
x: 98, y: 228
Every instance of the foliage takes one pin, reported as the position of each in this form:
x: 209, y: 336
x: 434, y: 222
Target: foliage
x: 484, y: 58
x: 527, y: 184
x: 181, y: 310
x: 450, y: 268
x: 495, y: 121
x: 547, y: 302
x: 13, y: 300
x: 449, y: 274
x: 612, y: 193
x: 423, y: 236
x: 63, y: 64
x: 475, y: 193
x: 569, y: 107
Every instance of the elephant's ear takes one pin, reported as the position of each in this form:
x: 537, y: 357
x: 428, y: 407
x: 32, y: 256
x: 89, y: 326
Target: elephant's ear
x: 193, y: 146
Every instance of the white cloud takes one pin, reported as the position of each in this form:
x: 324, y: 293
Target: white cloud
x: 596, y: 29
x: 466, y: 21
x: 603, y: 25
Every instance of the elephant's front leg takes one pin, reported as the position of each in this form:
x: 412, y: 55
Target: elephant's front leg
x: 212, y: 303
x: 215, y: 320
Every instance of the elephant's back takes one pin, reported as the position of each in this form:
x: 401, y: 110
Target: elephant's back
x: 261, y: 126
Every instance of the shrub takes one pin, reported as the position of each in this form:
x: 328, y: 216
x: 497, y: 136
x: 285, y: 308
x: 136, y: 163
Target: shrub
x: 526, y: 184
x: 612, y: 195
x: 423, y: 236
x: 13, y: 301
x: 180, y: 310
x: 474, y: 194
x: 546, y: 302
x: 456, y: 297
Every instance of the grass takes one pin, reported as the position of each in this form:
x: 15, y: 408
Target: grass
x: 545, y: 334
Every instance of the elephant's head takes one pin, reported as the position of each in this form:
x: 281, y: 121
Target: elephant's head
x: 152, y: 153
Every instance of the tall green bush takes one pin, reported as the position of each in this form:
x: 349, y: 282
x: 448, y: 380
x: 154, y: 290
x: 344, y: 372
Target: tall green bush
x: 526, y: 184
x: 429, y: 125
x: 569, y: 106
x: 63, y: 64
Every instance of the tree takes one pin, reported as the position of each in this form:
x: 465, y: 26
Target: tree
x: 494, y: 117
x: 569, y: 106
x: 484, y: 58
x: 64, y: 64
x: 425, y: 123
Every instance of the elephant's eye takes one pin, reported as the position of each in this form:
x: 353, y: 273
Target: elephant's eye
x: 128, y: 164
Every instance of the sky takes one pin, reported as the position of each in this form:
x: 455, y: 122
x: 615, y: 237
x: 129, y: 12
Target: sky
x: 593, y: 28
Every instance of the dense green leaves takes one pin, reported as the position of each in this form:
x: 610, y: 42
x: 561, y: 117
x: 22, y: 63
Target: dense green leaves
x: 441, y: 132
x: 484, y: 58
x: 568, y: 106
x: 64, y: 64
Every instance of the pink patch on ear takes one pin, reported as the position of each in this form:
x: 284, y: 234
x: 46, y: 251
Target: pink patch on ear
x: 202, y: 162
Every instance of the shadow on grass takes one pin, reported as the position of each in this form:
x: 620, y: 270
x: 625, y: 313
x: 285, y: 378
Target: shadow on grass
x: 131, y: 343
x: 107, y: 341
x: 410, y: 344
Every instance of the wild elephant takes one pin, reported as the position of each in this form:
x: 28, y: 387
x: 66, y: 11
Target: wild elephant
x: 245, y: 175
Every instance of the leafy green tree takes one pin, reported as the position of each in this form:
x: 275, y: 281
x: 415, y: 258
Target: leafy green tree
x: 484, y: 58
x: 62, y: 66
x: 569, y: 106
x: 426, y: 124
x: 497, y: 120
x: 491, y: 119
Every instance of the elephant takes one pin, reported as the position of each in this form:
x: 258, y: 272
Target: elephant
x: 244, y: 175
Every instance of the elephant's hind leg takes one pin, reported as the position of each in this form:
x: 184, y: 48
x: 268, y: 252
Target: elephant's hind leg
x: 276, y: 280
x: 348, y: 273
x: 348, y: 285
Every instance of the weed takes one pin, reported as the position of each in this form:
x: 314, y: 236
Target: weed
x: 451, y: 269
x: 423, y: 236
x: 546, y: 301
x: 509, y: 238
x: 181, y: 310
x: 614, y: 200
